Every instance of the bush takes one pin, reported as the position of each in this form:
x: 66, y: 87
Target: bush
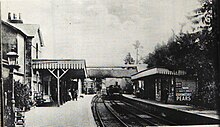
x: 22, y: 99
x: 205, y: 98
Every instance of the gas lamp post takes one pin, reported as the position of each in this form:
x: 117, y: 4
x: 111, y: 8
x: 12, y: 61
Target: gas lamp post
x: 12, y: 64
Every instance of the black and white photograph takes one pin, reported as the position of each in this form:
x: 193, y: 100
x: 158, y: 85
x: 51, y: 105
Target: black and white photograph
x: 109, y: 63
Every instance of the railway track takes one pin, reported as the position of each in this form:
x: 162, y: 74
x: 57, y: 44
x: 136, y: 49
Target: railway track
x: 111, y: 113
x: 142, y: 117
x: 156, y: 119
x: 102, y: 115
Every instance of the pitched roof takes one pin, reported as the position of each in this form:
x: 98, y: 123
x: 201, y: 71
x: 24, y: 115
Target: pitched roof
x: 154, y: 71
x: 27, y: 29
x: 30, y: 30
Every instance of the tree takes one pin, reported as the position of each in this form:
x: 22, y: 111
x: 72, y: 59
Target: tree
x: 216, y: 33
x: 194, y: 52
x: 207, y: 19
x: 203, y: 16
x: 190, y: 52
x: 128, y: 59
x: 159, y: 58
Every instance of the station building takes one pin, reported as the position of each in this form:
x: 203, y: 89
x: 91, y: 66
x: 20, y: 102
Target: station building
x: 41, y: 76
x: 156, y: 83
x: 25, y: 40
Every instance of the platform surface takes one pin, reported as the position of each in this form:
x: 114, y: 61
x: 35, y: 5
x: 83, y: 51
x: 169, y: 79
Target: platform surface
x: 185, y: 108
x: 71, y: 114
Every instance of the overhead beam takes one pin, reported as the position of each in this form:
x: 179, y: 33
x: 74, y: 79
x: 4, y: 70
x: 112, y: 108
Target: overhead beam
x: 52, y: 72
x: 58, y: 77
x: 64, y: 72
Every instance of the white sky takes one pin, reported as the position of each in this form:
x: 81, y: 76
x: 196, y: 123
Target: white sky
x: 101, y: 31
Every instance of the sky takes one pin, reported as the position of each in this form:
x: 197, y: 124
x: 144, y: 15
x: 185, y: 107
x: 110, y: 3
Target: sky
x: 102, y: 31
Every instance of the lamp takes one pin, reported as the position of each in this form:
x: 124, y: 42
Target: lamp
x: 12, y: 64
x: 13, y: 59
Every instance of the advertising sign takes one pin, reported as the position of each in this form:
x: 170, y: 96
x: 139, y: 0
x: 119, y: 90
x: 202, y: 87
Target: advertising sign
x: 183, y: 93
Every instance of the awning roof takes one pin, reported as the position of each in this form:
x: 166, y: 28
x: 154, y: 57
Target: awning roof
x: 154, y: 71
x: 58, y: 64
x: 73, y: 64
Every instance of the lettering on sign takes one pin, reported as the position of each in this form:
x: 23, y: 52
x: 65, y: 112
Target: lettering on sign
x: 183, y: 98
x: 179, y: 84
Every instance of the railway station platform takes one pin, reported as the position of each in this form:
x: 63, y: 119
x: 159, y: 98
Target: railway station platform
x: 186, y: 110
x: 71, y: 114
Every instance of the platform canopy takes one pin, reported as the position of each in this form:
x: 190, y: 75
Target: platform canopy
x: 76, y: 66
x: 154, y: 71
x: 59, y: 68
x: 58, y: 64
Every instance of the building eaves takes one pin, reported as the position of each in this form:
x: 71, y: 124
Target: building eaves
x: 29, y: 30
x: 154, y: 71
x: 14, y: 28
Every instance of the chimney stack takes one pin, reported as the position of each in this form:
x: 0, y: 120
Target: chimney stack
x: 14, y: 19
x: 14, y: 16
x: 9, y: 16
x: 19, y: 16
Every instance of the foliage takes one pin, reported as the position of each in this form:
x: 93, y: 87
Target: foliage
x: 22, y: 96
x: 128, y: 86
x: 128, y: 59
x: 203, y: 16
x: 7, y: 108
x: 192, y: 52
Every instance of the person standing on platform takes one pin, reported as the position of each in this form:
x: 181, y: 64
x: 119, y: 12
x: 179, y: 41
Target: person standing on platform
x: 166, y: 95
x: 75, y: 94
x: 72, y: 93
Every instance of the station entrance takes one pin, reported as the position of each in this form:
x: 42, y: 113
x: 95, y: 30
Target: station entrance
x: 59, y: 76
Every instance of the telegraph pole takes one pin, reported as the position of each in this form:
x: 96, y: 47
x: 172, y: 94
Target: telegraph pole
x: 137, y: 45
